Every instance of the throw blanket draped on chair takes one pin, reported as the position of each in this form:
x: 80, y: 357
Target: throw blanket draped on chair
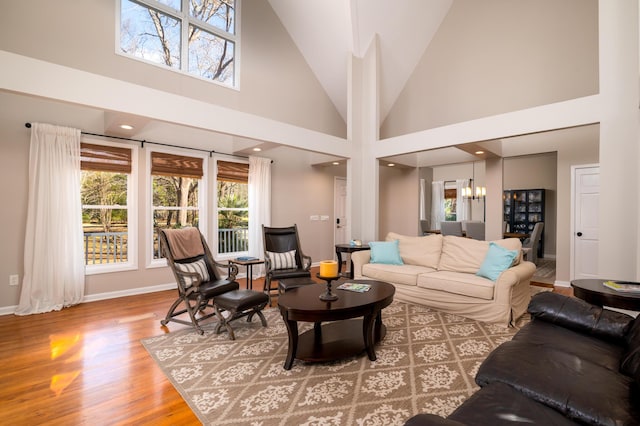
x: 185, y: 243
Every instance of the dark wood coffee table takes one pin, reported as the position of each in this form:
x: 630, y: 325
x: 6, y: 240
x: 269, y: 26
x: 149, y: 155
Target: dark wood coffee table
x: 592, y: 291
x: 346, y: 336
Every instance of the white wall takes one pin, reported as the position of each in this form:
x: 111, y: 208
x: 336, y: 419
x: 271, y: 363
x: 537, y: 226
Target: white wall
x: 496, y: 56
x: 299, y: 191
x: 276, y: 81
x: 398, y: 210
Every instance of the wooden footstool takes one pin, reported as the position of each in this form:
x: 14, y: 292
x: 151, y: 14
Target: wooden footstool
x: 239, y: 303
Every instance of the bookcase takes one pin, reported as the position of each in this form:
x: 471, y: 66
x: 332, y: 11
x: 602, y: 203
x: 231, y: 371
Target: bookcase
x: 522, y: 209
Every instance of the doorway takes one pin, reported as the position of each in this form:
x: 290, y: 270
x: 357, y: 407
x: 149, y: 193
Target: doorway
x: 585, y: 189
x: 341, y: 231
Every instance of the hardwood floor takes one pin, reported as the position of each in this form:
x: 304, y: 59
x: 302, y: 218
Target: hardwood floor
x: 85, y: 365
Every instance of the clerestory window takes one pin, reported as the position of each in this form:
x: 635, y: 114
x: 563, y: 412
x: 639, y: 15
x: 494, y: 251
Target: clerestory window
x: 198, y: 37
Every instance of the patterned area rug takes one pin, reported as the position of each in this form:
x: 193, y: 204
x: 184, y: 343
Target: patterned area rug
x: 426, y: 363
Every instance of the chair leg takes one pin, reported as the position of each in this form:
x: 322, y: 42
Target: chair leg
x: 257, y: 311
x: 171, y: 311
x: 222, y: 321
x: 192, y: 314
x: 263, y: 320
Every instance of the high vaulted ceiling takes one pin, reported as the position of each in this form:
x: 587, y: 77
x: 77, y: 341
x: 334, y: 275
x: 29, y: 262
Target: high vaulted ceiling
x: 327, y: 32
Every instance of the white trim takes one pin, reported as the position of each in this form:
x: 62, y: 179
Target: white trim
x: 572, y: 212
x: 202, y: 199
x: 185, y: 20
x: 214, y: 205
x: 132, y: 212
x: 10, y: 310
x: 29, y: 76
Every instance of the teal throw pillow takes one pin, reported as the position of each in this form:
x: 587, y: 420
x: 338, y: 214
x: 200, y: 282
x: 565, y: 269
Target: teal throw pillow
x: 497, y: 260
x: 387, y: 252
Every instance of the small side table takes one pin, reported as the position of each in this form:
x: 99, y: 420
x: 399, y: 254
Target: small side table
x: 348, y: 248
x: 592, y: 291
x: 249, y: 265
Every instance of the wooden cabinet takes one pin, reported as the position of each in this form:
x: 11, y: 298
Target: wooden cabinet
x: 522, y: 209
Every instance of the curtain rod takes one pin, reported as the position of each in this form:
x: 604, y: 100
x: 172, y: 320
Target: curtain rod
x: 142, y: 142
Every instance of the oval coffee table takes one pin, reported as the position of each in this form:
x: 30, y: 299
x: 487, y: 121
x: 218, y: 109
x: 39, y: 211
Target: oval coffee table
x: 594, y: 292
x: 343, y: 337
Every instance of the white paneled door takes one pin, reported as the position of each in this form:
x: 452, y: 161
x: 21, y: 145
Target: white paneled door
x: 586, y: 195
x: 340, y: 210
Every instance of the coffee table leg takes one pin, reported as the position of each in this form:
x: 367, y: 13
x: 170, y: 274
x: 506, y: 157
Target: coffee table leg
x: 292, y: 330
x: 339, y: 256
x: 369, y: 340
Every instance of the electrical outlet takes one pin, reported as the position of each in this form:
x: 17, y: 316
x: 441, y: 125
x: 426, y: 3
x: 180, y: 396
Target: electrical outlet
x: 14, y: 280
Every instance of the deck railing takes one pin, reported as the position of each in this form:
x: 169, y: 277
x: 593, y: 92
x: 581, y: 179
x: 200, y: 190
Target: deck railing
x: 105, y: 247
x: 111, y: 247
x: 233, y: 240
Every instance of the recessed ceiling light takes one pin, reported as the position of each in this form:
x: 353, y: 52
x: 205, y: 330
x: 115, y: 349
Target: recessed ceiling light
x: 391, y: 164
x: 126, y: 127
x: 256, y: 149
x: 335, y: 163
x: 479, y: 152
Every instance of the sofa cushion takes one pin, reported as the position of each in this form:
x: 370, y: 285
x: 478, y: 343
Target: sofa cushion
x: 423, y: 251
x: 578, y: 315
x: 461, y: 254
x: 556, y: 336
x: 496, y: 261
x: 386, y: 252
x: 501, y: 405
x: 563, y: 380
x: 396, y: 274
x: 458, y: 283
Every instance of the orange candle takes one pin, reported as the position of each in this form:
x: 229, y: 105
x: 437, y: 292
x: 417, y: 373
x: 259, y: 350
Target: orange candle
x: 328, y: 268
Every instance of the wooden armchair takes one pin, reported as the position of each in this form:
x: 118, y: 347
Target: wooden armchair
x: 196, y: 273
x: 283, y: 256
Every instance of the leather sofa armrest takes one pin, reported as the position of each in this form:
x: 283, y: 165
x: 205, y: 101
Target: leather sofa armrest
x: 578, y: 315
x: 359, y: 258
x: 430, y: 420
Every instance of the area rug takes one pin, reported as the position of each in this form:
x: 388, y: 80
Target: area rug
x: 426, y: 363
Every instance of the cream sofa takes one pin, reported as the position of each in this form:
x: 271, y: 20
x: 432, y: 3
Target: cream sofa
x: 440, y: 272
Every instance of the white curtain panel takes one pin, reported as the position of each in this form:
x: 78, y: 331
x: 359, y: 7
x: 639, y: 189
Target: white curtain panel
x: 53, y: 256
x: 437, y: 203
x: 259, y: 206
x: 463, y: 205
x: 422, y: 199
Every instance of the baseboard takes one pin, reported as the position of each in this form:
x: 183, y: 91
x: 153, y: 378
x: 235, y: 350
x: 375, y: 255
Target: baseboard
x: 562, y: 283
x: 10, y: 310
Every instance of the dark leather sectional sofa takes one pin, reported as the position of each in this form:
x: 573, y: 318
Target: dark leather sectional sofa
x: 574, y: 363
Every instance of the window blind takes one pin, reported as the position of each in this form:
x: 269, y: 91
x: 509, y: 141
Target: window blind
x: 102, y: 158
x: 176, y: 165
x: 229, y: 171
